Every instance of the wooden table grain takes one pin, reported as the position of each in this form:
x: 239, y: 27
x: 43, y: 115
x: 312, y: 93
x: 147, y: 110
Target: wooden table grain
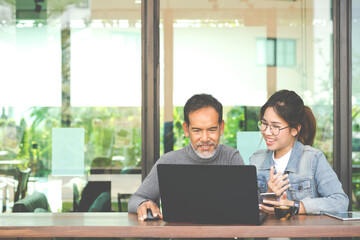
x: 126, y: 225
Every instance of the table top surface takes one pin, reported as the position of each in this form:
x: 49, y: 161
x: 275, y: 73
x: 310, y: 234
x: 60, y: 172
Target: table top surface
x: 127, y: 225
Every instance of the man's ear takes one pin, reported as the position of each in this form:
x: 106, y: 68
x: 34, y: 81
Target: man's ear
x: 186, y: 129
x: 295, y: 131
x: 222, y: 125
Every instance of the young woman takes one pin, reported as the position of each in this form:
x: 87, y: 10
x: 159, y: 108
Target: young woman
x: 299, y: 174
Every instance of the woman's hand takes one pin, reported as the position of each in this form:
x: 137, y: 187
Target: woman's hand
x: 277, y: 183
x: 282, y: 201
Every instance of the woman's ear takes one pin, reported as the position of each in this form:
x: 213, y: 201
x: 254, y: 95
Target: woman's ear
x: 295, y: 131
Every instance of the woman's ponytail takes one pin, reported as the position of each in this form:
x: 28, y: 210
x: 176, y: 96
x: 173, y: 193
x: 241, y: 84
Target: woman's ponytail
x: 308, y: 128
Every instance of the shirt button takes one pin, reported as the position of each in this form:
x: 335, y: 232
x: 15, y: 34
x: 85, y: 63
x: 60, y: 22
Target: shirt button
x: 300, y: 187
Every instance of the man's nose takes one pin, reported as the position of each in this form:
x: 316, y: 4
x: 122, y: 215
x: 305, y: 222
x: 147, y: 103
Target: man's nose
x: 204, y: 136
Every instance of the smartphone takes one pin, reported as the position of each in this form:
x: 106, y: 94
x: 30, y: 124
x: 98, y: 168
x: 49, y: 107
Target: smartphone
x: 268, y: 196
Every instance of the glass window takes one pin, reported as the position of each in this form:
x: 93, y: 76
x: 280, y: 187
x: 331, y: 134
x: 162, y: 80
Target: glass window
x: 279, y: 52
x: 355, y: 104
x: 71, y: 66
x: 241, y: 52
x: 270, y: 52
x: 285, y: 53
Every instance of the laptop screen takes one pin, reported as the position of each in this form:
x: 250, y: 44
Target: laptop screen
x: 209, y: 193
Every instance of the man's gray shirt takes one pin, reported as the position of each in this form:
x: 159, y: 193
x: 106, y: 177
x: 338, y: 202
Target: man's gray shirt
x: 149, y: 189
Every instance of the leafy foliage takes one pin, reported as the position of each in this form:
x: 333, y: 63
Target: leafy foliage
x: 109, y: 132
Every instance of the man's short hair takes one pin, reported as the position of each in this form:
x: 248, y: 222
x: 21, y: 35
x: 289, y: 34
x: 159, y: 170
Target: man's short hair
x: 199, y: 101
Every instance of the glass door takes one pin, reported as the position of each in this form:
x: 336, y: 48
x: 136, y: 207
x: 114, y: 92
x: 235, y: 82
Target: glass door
x: 355, y: 104
x: 71, y: 95
x: 241, y: 52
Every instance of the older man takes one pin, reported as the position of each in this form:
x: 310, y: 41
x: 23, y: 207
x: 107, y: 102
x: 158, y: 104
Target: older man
x: 204, y: 126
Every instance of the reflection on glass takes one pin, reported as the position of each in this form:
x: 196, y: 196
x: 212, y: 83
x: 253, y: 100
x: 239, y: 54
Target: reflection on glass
x: 241, y: 52
x: 356, y: 103
x: 70, y: 65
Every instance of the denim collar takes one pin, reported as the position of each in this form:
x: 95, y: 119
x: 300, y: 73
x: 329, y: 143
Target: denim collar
x: 293, y: 163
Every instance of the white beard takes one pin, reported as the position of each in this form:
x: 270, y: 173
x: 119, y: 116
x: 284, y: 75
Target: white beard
x: 202, y: 155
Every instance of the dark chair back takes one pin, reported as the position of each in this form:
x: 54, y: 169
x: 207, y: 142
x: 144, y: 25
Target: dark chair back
x: 76, y: 197
x: 22, y: 184
x: 102, y: 203
x: 90, y: 192
x: 123, y: 200
x: 36, y: 202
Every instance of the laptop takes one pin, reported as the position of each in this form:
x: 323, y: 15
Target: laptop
x: 209, y: 194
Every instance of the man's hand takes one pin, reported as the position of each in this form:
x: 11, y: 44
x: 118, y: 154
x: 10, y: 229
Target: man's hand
x: 144, y: 206
x: 277, y: 183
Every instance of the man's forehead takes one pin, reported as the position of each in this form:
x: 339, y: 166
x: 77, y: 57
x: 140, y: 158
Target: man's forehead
x: 192, y: 126
x: 203, y: 108
x: 207, y: 112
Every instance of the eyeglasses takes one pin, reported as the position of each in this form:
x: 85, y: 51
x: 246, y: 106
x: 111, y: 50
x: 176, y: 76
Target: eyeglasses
x: 275, y: 130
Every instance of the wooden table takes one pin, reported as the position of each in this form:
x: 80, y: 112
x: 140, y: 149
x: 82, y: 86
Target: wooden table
x: 126, y: 225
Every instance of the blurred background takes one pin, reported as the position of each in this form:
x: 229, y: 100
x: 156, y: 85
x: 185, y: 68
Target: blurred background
x: 70, y: 86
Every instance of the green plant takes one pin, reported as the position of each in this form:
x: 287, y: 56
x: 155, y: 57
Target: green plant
x: 234, y: 120
x: 179, y: 137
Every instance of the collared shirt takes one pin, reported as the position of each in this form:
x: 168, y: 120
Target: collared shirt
x: 312, y: 179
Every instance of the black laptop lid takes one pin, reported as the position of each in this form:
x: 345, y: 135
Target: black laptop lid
x: 209, y: 193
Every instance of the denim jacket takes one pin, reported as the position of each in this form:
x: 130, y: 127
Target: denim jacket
x: 312, y: 179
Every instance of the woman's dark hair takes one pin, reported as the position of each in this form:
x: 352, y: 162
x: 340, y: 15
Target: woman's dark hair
x: 201, y: 101
x: 290, y: 107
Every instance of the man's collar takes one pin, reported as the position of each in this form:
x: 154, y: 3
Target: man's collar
x: 191, y: 152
